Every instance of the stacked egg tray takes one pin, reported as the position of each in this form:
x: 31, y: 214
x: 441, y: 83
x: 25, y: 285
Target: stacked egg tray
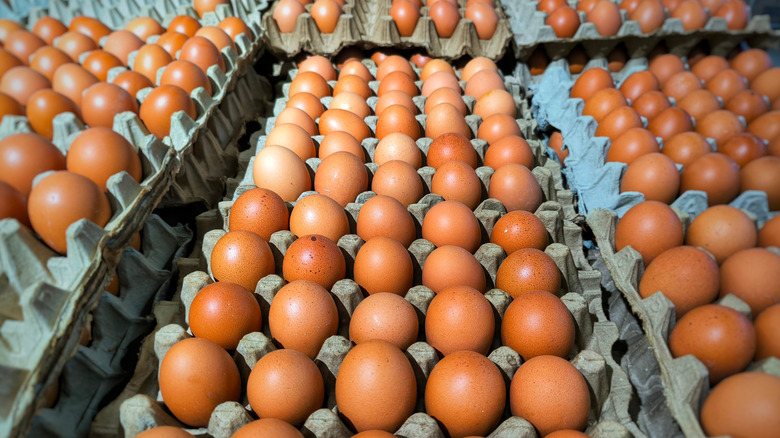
x: 685, y: 380
x: 368, y: 24
x: 530, y: 32
x: 56, y: 293
x: 141, y: 406
x: 18, y: 10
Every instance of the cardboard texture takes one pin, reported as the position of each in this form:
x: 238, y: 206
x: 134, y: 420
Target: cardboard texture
x: 684, y: 380
x: 530, y: 32
x: 53, y: 294
x: 142, y: 408
x: 368, y: 25
x: 595, y: 181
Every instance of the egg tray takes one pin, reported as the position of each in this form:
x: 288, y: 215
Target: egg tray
x: 597, y: 182
x: 367, y: 24
x: 18, y: 10
x: 530, y: 32
x: 685, y: 380
x: 56, y: 293
x: 117, y: 325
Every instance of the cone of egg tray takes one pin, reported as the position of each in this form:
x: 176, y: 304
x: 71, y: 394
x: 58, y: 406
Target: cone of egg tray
x: 370, y: 25
x: 117, y: 323
x: 19, y: 10
x: 595, y: 181
x: 530, y: 31
x: 685, y: 379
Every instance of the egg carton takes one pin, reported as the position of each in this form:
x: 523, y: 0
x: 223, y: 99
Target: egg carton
x: 530, y: 32
x: 18, y: 10
x: 367, y: 24
x: 684, y: 380
x: 117, y: 324
x: 595, y: 181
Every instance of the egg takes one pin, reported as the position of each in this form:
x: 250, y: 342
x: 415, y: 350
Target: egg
x: 279, y: 169
x: 306, y: 102
x: 132, y: 82
x: 376, y: 387
x: 445, y: 18
x: 384, y: 316
x: 691, y: 14
x: 766, y: 325
x: 172, y: 42
x: 204, y: 6
x: 302, y: 316
x: 352, y: 103
x: 736, y: 14
x: 747, y: 104
x: 397, y: 119
x: 260, y: 211
x: 482, y: 82
x: 196, y: 376
x: 699, y: 103
x: 528, y: 269
x: 650, y: 227
x: 590, y: 82
x: 495, y: 102
x: 459, y: 318
x: 685, y: 147
x: 22, y: 82
x: 715, y: 174
x: 564, y: 22
x: 202, y: 52
x: 737, y: 405
x: 287, y: 385
x: 399, y: 180
x: 397, y: 146
x: 445, y: 95
x: 149, y: 59
x: 405, y: 15
x: 688, y: 276
x: 25, y: 155
x: 161, y: 104
x: 268, y: 427
x: 603, y: 102
x: 549, y: 6
x: 509, y: 149
x: 670, y: 122
x: 654, y: 175
x: 318, y: 213
x: 394, y: 63
x: 639, y: 83
x: 708, y: 231
x: 437, y: 80
x: 550, y: 393
x: 744, y: 148
x: 357, y: 85
x: 234, y: 26
x: 450, y: 266
x: 292, y: 137
x: 385, y: 216
x: 504, y: 186
x: 185, y: 75
x: 665, y: 66
x: 217, y: 36
x: 224, y: 312
x: 102, y: 102
x: 476, y: 65
x: 752, y: 275
x: 13, y: 204
x: 242, y: 257
x: 766, y: 126
x: 165, y: 432
x: 452, y: 223
x: 326, y: 15
x: 383, y: 265
x: 751, y: 63
x: 7, y: 26
x: 709, y: 66
x: 457, y: 181
x: 496, y: 127
x: 723, y: 339
x: 395, y: 97
x: 48, y: 28
x: 295, y: 116
x: 466, y: 394
x: 631, y: 145
x: 726, y: 84
x: 605, y: 15
x: 519, y: 229
x: 619, y: 122
x: 650, y: 104
x: 121, y: 43
x: 98, y: 153
x: 769, y: 234
x: 43, y: 106
x: 761, y: 174
x: 334, y: 120
x: 47, y: 60
x: 680, y: 84
x: 22, y: 43
x: 537, y: 323
x: 286, y: 14
x: 9, y: 61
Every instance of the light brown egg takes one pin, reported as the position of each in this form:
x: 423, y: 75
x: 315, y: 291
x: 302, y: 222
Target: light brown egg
x: 319, y: 214
x: 650, y: 15
x: 308, y: 103
x: 451, y: 265
x: 686, y: 147
x: 395, y: 97
x: 397, y: 119
x: 445, y: 95
x: 242, y: 257
x: 268, y: 427
x: 457, y: 181
x: 98, y: 153
x: 762, y: 174
x: 43, y: 106
x: 445, y: 118
x: 459, y: 318
x: 654, y: 175
x: 590, y: 82
x: 398, y: 146
x: 735, y: 406
x: 498, y: 126
x: 670, y: 122
x: 650, y: 227
x: 309, y: 82
x: 744, y: 148
x: 445, y: 18
x: 440, y: 79
x: 651, y: 104
x: 631, y: 145
x: 353, y: 84
x: 747, y: 104
x: 434, y: 66
x: 303, y: 315
x: 709, y: 228
x: 286, y: 14
x: 766, y: 126
x: 504, y: 186
x: 334, y: 120
x: 735, y: 13
x: 341, y: 176
x: 619, y: 122
x: 25, y: 155
x: 394, y: 63
x: 294, y: 138
x: 356, y: 68
x: 476, y: 65
x: 482, y: 82
x: 769, y: 234
x: 352, y: 103
x: 452, y: 223
x: 386, y: 216
x: 691, y: 13
x: 639, y: 83
x: 320, y: 65
x: 509, y: 149
x: 495, y: 102
x: 279, y: 169
x: 385, y: 316
x: 47, y: 60
x: 398, y: 180
x: 22, y: 82
x: 384, y: 265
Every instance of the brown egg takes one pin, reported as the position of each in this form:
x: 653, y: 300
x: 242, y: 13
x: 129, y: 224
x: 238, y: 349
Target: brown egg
x: 753, y: 275
x: 519, y: 229
x: 132, y: 82
x: 22, y: 82
x: 437, y: 80
x: 528, y: 269
x: 681, y: 84
x: 445, y: 95
x: 452, y: 223
x: 260, y: 211
x: 279, y: 169
x: 121, y: 43
x: 48, y: 28
x: 394, y: 63
x: 630, y: 5
x: 727, y: 84
x: 692, y: 15
x: 498, y: 126
x: 285, y: 384
x: 766, y: 325
x: 172, y: 42
x: 398, y: 146
x: 710, y: 66
x: 149, y: 59
x: 98, y: 153
x: 396, y: 97
x: 603, y: 102
x: 665, y: 66
x: 459, y: 318
x: 550, y: 393
x: 699, y: 103
x: 334, y: 120
x: 320, y: 65
x: 9, y: 61
x: 751, y: 63
x: 384, y: 316
x: 670, y: 122
x: 766, y: 83
x: 13, y: 204
x: 504, y: 186
x: 564, y: 22
x: 386, y: 216
x: 286, y: 14
x: 466, y: 394
x: 537, y: 323
x: 639, y: 83
x: 158, y: 107
x: 605, y: 15
x: 482, y: 82
x: 9, y: 106
x: 762, y: 174
x: 22, y: 43
x: 101, y: 102
x: 47, y: 60
x: 709, y: 228
x: 445, y: 118
x: 234, y: 26
x: 449, y: 266
x: 195, y: 376
x: 309, y: 82
x: 320, y: 214
x: 225, y: 312
x: 618, y: 122
x: 243, y: 258
x: 651, y: 104
x: 631, y: 145
x: 405, y: 14
x: 509, y: 149
x: 654, y: 175
x: 434, y: 66
x: 723, y: 339
x: 737, y: 404
x: 397, y: 119
x: 766, y: 126
x: 352, y: 103
x: 7, y: 26
x: 302, y: 316
x: 590, y: 82
x: 268, y: 427
x: 686, y: 147
x: 165, y: 432
x: 25, y: 155
x: 715, y: 174
x: 550, y: 6
x: 649, y: 14
x: 457, y: 181
x: 357, y: 85
x: 43, y: 106
x: 341, y: 176
x: 774, y: 147
x: 484, y: 17
x: 769, y: 234
x: 356, y: 68
x: 650, y: 227
x: 384, y: 265
x: 445, y: 18
x: 340, y: 141
x: 297, y: 117
x: 399, y: 180
x: 308, y: 103
x: 495, y: 102
x: 476, y: 65
x: 743, y: 148
x: 735, y: 13
x: 748, y: 104
x: 689, y: 277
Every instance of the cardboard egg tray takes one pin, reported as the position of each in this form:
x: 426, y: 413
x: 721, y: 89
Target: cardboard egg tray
x: 18, y: 10
x: 117, y: 324
x: 530, y: 31
x: 684, y: 380
x: 54, y: 294
x: 596, y: 182
x: 367, y: 24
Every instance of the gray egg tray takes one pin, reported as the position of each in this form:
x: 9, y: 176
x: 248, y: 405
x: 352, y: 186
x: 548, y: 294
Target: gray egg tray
x: 530, y: 32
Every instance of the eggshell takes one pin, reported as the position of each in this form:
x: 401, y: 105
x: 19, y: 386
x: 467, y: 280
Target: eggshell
x: 739, y: 405
x: 196, y: 376
x: 160, y: 105
x: 287, y: 385
x: 537, y: 323
x: 762, y: 174
x: 384, y: 265
x: 102, y: 102
x: 446, y: 95
x: 341, y: 120
x: 605, y: 15
x: 399, y: 180
x: 767, y: 324
x: 302, y: 316
x: 397, y: 146
x: 519, y: 229
x: 682, y: 83
x: 280, y: 170
x: 633, y: 144
x: 384, y: 316
x: 319, y: 214
x: 528, y: 269
x: 684, y: 148
x: 457, y: 181
x: 509, y: 149
x: 753, y: 275
x: 651, y: 104
x: 386, y: 216
x: 268, y: 427
x: 504, y: 186
x: 665, y: 66
x: 450, y: 266
x: 315, y: 258
x: 603, y: 102
x: 638, y: 84
x: 722, y: 230
x: 443, y: 119
x: 751, y: 63
x: 242, y: 257
x: 720, y: 125
x: 715, y: 174
x: 466, y: 394
x: 654, y: 175
x: 459, y: 318
x: 98, y: 153
x: 451, y: 147
x: 699, y: 103
x: 260, y: 211
x: 225, y: 312
x: 375, y: 387
x: 650, y: 227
